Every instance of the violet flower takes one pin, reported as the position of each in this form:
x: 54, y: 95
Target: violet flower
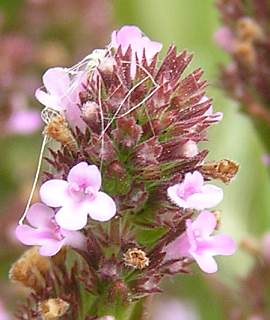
x: 62, y: 94
x: 174, y: 310
x: 23, y: 122
x: 197, y: 243
x: 192, y: 193
x: 78, y: 197
x: 46, y: 233
x: 132, y: 36
x: 225, y: 39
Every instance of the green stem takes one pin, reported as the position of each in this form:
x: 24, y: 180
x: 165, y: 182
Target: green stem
x: 118, y: 309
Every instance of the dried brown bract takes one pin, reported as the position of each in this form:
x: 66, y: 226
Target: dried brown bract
x: 224, y: 170
x: 58, y: 129
x: 30, y: 269
x: 53, y: 309
x: 136, y: 258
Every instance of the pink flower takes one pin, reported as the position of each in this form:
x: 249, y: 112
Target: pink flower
x: 132, y: 36
x: 225, y: 39
x: 197, y: 243
x: 174, y: 310
x: 24, y: 122
x: 62, y: 94
x: 192, y: 193
x: 3, y: 313
x: 78, y: 197
x: 46, y: 233
x: 266, y: 159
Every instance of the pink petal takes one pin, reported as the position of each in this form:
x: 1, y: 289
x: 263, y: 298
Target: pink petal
x: 84, y: 174
x: 174, y: 197
x: 209, y: 197
x: 221, y: 245
x: 205, y: 223
x: 48, y: 100
x: 72, y: 217
x: 73, y: 116
x: 178, y: 248
x: 56, y: 81
x: 74, y: 239
x: 31, y: 236
x: 103, y: 208
x: 54, y: 192
x: 132, y: 36
x: 39, y: 215
x: 125, y: 36
x: 194, y: 180
x: 51, y: 247
x: 151, y: 48
x: 206, y: 262
x: 141, y: 44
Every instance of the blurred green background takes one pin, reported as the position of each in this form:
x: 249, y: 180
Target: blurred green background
x: 189, y: 24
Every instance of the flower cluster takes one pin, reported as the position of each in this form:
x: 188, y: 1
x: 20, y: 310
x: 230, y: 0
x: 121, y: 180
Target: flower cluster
x: 244, y: 36
x: 128, y: 186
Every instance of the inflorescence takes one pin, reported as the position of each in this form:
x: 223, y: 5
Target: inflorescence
x: 127, y: 187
